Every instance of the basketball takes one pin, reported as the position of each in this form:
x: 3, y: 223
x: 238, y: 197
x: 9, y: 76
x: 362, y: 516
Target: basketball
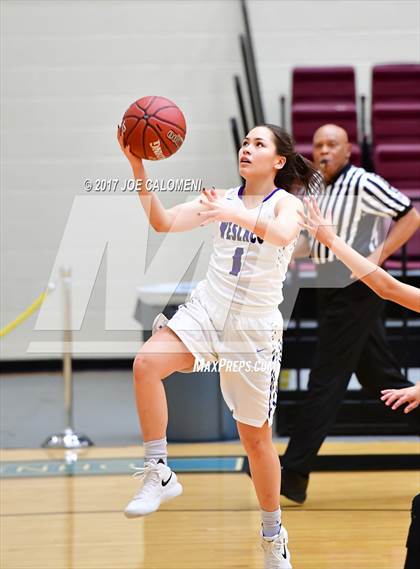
x: 154, y: 127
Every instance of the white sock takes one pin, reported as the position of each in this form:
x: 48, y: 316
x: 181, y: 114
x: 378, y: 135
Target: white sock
x: 271, y: 522
x: 156, y: 450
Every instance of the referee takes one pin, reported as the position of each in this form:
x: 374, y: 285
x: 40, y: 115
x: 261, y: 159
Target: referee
x: 351, y: 334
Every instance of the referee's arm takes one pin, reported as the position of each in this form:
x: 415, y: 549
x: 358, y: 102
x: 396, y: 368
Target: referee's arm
x: 400, y: 233
x: 379, y: 198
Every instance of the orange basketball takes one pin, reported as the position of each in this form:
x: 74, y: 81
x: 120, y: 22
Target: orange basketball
x: 154, y: 127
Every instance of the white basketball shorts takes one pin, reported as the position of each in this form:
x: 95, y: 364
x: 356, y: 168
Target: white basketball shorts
x: 245, y: 342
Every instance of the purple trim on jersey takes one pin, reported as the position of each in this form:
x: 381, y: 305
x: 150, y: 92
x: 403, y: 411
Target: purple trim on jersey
x: 241, y: 191
x: 269, y: 195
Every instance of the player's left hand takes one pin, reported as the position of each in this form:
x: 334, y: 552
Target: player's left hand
x: 397, y: 397
x: 318, y: 226
x: 216, y: 208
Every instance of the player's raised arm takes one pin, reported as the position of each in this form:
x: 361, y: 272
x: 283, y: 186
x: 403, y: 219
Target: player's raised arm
x: 377, y: 279
x: 152, y: 206
x: 182, y: 217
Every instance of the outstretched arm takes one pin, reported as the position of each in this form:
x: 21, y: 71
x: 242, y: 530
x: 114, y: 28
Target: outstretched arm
x: 376, y: 278
x: 182, y: 217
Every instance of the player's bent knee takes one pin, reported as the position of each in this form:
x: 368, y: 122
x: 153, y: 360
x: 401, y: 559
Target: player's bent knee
x: 143, y: 365
x: 153, y: 367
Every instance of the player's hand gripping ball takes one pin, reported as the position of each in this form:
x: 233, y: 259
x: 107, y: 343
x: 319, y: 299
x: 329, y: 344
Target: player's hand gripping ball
x: 153, y: 127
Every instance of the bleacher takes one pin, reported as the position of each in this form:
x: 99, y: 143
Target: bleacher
x: 322, y: 95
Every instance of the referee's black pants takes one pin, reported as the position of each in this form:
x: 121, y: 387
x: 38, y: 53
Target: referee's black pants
x: 351, y: 338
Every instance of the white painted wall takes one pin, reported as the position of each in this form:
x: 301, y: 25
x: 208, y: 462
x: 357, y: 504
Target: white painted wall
x: 71, y: 68
x: 69, y: 71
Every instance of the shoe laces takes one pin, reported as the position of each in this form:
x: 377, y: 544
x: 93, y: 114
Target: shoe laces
x: 277, y: 547
x: 147, y: 473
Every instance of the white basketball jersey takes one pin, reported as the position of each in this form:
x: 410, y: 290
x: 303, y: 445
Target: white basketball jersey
x: 244, y: 269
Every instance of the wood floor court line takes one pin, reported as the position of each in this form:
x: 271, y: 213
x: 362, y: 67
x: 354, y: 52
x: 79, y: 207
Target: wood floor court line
x: 204, y: 510
x: 350, y: 519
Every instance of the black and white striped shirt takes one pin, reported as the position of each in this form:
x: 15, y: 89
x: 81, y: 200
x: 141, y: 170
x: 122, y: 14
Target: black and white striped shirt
x: 359, y: 201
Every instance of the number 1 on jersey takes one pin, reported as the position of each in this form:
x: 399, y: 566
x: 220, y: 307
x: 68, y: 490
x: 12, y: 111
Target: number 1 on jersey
x: 236, y: 261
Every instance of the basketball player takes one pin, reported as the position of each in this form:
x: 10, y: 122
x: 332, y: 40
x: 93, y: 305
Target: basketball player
x: 233, y: 313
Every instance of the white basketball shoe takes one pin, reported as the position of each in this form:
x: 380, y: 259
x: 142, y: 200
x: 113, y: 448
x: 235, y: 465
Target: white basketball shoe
x: 276, y: 553
x: 160, y: 484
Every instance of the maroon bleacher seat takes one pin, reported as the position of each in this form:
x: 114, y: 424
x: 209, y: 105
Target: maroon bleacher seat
x: 323, y: 95
x: 412, y: 256
x: 306, y: 118
x: 323, y: 85
x: 412, y: 247
x: 399, y: 164
x: 396, y: 122
x: 396, y: 104
x: 396, y: 82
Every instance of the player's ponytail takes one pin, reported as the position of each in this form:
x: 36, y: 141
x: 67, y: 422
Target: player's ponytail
x: 298, y: 173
